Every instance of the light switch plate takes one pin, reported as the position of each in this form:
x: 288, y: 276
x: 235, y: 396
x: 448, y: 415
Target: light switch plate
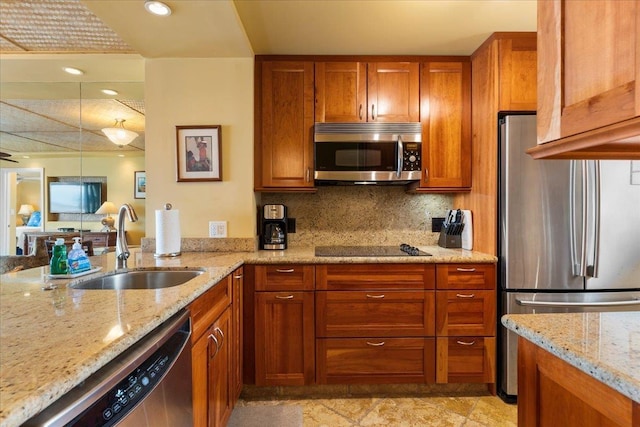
x: 217, y: 228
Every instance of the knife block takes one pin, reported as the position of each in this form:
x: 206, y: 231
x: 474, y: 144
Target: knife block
x: 449, y: 240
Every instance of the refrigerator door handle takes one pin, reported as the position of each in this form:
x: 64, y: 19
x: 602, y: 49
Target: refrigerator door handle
x: 592, y: 270
x: 531, y: 303
x: 578, y: 255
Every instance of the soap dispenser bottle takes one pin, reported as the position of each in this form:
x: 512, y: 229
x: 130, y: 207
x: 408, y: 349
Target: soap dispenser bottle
x: 58, y: 263
x: 78, y: 260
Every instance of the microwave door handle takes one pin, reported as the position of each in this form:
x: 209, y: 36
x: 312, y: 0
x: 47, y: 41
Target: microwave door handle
x: 400, y: 157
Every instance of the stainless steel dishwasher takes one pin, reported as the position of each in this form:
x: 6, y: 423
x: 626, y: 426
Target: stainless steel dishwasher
x: 148, y: 385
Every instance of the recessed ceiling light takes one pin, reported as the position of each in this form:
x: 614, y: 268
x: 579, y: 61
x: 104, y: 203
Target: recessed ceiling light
x: 109, y: 92
x: 73, y: 71
x: 157, y: 8
x: 26, y: 157
x: 120, y: 155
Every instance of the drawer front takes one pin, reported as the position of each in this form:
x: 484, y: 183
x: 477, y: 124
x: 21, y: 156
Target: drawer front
x: 466, y: 360
x: 466, y: 276
x: 375, y: 313
x: 209, y: 306
x: 284, y: 277
x: 375, y: 360
x: 375, y: 276
x: 466, y: 312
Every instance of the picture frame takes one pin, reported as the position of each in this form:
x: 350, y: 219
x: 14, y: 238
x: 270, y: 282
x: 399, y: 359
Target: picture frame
x: 139, y: 185
x: 198, y: 153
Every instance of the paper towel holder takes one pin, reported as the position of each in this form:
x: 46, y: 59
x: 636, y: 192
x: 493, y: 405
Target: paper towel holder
x: 167, y: 207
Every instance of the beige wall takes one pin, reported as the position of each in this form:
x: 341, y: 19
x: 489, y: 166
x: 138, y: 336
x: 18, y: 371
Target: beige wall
x: 181, y: 92
x: 119, y: 172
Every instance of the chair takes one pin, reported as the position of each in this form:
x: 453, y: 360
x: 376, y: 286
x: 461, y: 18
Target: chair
x: 38, y: 258
x: 86, y: 246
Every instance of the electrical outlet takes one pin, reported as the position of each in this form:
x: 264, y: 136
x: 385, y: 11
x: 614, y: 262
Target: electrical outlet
x: 217, y: 228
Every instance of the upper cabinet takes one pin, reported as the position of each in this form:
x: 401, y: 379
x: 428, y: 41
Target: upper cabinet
x: 367, y: 92
x: 284, y: 126
x: 588, y: 79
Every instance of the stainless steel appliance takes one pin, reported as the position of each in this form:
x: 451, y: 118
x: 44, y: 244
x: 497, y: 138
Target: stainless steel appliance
x: 369, y: 251
x: 569, y: 236
x: 273, y: 227
x: 367, y: 153
x: 148, y: 385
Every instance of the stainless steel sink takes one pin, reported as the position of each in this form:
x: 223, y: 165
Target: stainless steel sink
x: 139, y: 279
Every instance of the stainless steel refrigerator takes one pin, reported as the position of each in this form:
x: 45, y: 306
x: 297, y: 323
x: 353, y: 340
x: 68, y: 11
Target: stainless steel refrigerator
x: 568, y: 239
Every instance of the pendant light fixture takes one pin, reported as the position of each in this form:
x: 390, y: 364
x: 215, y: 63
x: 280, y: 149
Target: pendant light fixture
x: 118, y: 134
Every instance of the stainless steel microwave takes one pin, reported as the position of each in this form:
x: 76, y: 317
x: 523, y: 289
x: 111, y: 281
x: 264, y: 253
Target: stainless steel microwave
x: 367, y: 153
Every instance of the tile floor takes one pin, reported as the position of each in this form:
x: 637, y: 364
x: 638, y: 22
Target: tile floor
x: 459, y: 411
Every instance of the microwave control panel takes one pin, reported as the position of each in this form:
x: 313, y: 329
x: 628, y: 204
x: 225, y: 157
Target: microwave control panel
x: 411, y: 157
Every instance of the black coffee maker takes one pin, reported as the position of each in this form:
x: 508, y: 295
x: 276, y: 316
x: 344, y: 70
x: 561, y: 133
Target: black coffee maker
x: 273, y: 227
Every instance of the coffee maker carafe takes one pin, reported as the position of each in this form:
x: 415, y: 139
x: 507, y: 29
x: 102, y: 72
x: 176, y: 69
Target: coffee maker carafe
x: 274, y: 227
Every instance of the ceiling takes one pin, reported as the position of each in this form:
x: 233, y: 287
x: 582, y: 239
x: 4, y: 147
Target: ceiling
x: 109, y: 40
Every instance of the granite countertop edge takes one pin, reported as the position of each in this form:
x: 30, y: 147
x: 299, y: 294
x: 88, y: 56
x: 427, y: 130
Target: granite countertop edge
x: 541, y: 334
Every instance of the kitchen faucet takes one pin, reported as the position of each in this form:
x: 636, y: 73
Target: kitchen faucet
x: 122, y: 250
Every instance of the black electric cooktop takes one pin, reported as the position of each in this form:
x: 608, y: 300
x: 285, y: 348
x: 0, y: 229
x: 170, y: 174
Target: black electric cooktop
x: 369, y: 251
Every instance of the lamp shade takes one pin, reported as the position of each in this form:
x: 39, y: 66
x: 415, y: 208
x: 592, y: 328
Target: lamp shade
x: 25, y: 210
x: 107, y: 208
x: 118, y: 134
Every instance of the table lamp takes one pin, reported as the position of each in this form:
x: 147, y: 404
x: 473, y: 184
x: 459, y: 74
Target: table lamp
x: 107, y: 208
x: 25, y: 212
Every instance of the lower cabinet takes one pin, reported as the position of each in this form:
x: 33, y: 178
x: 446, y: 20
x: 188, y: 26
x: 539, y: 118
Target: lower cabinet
x: 466, y: 360
x: 214, y: 355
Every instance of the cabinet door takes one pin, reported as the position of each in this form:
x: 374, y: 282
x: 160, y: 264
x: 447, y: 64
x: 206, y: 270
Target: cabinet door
x: 445, y: 93
x: 517, y: 72
x: 285, y: 156
x: 375, y: 313
x: 589, y: 75
x: 352, y: 277
x: 466, y: 276
x: 284, y: 338
x: 284, y: 277
x: 470, y: 312
x: 220, y: 400
x: 393, y: 92
x: 341, y: 92
x: 466, y: 360
x: 375, y: 360
x: 236, y: 358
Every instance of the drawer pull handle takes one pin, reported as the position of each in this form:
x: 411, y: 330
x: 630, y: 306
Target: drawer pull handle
x: 465, y: 296
x: 212, y: 337
x: 375, y: 344
x: 289, y: 270
x: 239, y: 276
x: 375, y: 296
x: 466, y: 343
x: 466, y: 270
x: 218, y: 330
x: 287, y: 297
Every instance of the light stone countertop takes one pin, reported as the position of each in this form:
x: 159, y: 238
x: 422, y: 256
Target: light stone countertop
x: 605, y: 346
x: 50, y: 341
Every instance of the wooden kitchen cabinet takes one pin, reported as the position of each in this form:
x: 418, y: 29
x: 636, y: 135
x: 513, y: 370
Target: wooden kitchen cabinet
x: 237, y: 280
x: 211, y: 338
x: 375, y: 323
x: 284, y: 325
x: 588, y: 80
x: 445, y: 114
x: 552, y: 392
x: 465, y: 323
x: 503, y: 79
x: 283, y: 154
x: 367, y: 92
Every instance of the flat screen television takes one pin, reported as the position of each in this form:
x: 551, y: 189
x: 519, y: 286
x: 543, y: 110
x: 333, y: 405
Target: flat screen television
x: 74, y: 197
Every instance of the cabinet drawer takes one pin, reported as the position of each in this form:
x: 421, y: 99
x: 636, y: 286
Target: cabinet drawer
x: 466, y: 312
x: 466, y: 276
x: 375, y: 360
x: 466, y: 360
x: 284, y: 277
x: 375, y: 314
x: 375, y: 276
x: 209, y: 306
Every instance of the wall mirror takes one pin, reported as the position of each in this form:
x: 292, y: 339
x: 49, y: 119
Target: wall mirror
x: 52, y: 131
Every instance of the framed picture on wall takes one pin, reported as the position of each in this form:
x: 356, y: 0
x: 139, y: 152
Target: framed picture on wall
x: 198, y: 153
x: 139, y: 185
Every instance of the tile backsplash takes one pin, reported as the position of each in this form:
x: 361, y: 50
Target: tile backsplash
x: 361, y: 215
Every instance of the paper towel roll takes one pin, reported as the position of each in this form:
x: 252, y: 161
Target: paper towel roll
x: 167, y: 232
x: 467, y: 231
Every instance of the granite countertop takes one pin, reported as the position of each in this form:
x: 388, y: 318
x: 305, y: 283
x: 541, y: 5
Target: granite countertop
x: 605, y: 346
x: 51, y: 340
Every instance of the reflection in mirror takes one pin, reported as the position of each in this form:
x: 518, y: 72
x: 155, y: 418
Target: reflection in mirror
x: 57, y: 127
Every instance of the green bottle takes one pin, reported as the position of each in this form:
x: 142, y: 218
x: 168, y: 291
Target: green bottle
x: 58, y: 263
